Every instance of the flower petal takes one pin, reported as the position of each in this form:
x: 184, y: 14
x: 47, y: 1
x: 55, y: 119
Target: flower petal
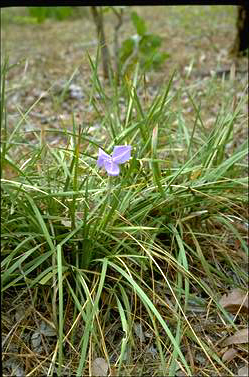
x: 111, y: 167
x: 121, y: 153
x: 102, y: 157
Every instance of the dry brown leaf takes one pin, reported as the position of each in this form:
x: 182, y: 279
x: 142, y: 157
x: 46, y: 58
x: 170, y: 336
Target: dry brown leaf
x: 241, y: 336
x: 100, y: 367
x: 243, y: 372
x: 229, y: 355
x: 235, y: 300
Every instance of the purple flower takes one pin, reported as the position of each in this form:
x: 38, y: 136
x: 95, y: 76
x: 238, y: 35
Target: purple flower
x: 120, y: 155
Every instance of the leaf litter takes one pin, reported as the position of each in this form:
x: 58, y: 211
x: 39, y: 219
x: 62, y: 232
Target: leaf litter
x: 235, y: 301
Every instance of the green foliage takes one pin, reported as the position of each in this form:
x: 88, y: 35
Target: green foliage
x: 128, y: 46
x: 139, y: 24
x: 56, y: 13
x: 81, y: 236
x: 142, y: 47
x: 34, y: 15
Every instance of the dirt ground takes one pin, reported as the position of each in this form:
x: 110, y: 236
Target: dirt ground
x: 197, y: 38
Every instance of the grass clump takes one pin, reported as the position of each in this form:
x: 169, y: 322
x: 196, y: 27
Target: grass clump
x: 124, y: 268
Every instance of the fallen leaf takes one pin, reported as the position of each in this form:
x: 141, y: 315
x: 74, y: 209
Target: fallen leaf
x: 139, y: 331
x: 100, y: 367
x: 36, y: 342
x: 235, y: 300
x: 241, y: 336
x: 243, y: 372
x: 229, y: 355
x: 14, y: 367
x: 47, y: 329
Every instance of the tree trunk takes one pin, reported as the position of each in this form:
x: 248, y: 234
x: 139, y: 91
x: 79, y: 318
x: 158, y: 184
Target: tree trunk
x: 98, y: 20
x: 119, y: 16
x: 241, y: 42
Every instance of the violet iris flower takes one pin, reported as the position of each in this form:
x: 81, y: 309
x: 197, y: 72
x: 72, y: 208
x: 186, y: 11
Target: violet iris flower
x: 120, y: 155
